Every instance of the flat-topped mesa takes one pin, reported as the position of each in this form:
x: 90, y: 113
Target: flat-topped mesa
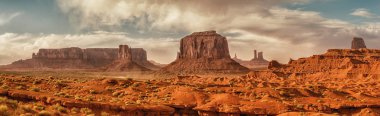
x: 204, y: 52
x: 63, y: 53
x: 358, y: 43
x: 68, y: 58
x: 204, y: 33
x: 207, y: 45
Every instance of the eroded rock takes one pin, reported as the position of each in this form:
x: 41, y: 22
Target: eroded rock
x: 204, y: 52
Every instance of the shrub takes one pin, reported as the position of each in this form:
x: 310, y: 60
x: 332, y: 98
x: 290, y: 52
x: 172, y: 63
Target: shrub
x: 5, y: 87
x: 44, y: 113
x: 3, y: 110
x: 27, y: 108
x: 20, y: 87
x: 104, y: 114
x: 86, y: 110
x: 75, y: 110
x: 36, y: 82
x: 35, y: 89
x: 60, y: 108
x: 77, y: 97
x: 116, y: 94
x: 39, y: 107
x: 93, y: 92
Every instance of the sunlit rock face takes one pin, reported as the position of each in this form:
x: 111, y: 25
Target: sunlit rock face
x: 204, y: 52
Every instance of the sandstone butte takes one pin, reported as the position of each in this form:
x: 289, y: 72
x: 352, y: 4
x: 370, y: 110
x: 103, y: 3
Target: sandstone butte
x: 358, y: 43
x: 257, y: 61
x: 77, y: 58
x: 204, y: 52
x: 125, y: 62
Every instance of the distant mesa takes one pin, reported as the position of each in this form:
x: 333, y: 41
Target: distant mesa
x: 77, y: 58
x: 358, y: 43
x: 68, y: 58
x: 204, y: 52
x: 258, y: 61
x: 125, y: 62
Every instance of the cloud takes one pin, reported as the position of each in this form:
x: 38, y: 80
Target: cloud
x: 362, y: 12
x: 6, y: 18
x: 163, y: 14
x: 21, y: 46
x: 268, y: 26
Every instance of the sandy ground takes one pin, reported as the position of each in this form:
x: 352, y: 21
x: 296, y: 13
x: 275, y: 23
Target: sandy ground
x: 96, y: 93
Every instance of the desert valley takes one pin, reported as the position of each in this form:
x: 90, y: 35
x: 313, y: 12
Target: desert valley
x: 203, y: 80
x: 189, y: 58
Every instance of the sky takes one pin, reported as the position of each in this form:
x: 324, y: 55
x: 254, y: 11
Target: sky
x: 282, y: 29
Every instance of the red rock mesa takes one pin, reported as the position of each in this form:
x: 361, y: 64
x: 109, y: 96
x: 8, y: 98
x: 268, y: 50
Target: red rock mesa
x: 204, y: 52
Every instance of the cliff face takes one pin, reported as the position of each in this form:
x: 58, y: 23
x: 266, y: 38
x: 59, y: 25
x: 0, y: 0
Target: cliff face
x: 77, y: 58
x: 139, y: 56
x: 204, y: 52
x: 207, y: 44
x: 68, y: 58
x: 64, y: 53
x: 125, y: 62
x: 99, y: 57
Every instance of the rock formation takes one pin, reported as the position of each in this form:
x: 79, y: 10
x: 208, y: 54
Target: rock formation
x: 68, y: 58
x: 139, y: 56
x: 204, y: 45
x: 342, y: 63
x: 358, y: 43
x: 204, y: 52
x: 258, y: 61
x: 77, y: 58
x: 125, y: 62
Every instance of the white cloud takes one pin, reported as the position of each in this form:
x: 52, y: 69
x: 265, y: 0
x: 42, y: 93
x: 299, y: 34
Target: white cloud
x: 362, y: 12
x: 248, y: 24
x: 6, y: 18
